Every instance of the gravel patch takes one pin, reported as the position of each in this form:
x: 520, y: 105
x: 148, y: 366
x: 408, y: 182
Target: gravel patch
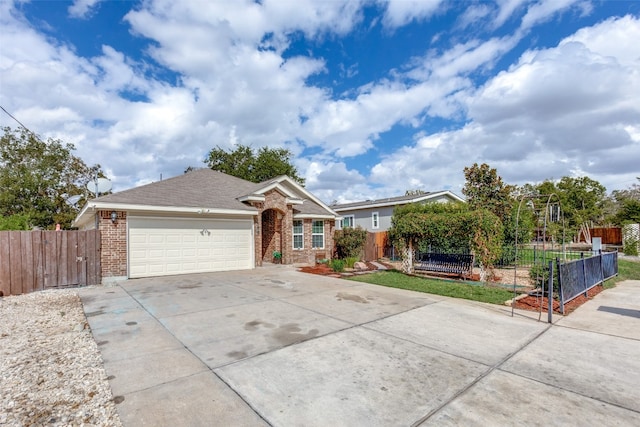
x: 51, y: 372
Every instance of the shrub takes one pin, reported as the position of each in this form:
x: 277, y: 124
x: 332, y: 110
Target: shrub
x: 350, y: 261
x: 349, y: 242
x: 337, y: 265
x: 15, y: 222
x: 630, y: 239
x: 539, y: 275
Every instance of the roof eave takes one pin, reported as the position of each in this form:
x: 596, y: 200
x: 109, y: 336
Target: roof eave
x: 314, y: 216
x: 383, y: 204
x: 82, y: 217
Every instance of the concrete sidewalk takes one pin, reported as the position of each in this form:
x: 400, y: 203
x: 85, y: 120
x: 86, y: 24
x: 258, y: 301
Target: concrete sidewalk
x: 273, y: 346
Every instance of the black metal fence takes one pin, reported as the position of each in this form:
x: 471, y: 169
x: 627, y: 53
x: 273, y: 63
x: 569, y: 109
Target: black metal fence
x: 528, y: 256
x: 578, y: 276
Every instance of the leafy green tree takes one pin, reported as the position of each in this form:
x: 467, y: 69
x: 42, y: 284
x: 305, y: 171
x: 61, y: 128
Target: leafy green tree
x: 626, y: 205
x: 485, y: 189
x: 450, y: 226
x: 632, y: 192
x: 629, y: 212
x: 36, y: 177
x: 582, y: 200
x: 256, y: 166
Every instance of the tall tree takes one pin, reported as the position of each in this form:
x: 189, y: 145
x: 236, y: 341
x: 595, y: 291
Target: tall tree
x: 626, y: 205
x: 36, y: 177
x: 485, y: 189
x: 582, y: 200
x: 256, y: 166
x: 633, y: 192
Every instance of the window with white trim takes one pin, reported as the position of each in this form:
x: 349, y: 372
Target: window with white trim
x: 347, y: 221
x: 317, y: 234
x: 298, y: 234
x: 375, y: 220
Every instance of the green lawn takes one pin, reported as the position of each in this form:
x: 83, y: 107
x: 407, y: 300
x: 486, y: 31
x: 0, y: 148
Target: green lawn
x: 627, y: 270
x: 396, y: 279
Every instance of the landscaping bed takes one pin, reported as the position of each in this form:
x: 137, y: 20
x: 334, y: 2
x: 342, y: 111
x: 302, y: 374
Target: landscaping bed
x: 325, y: 270
x: 531, y: 302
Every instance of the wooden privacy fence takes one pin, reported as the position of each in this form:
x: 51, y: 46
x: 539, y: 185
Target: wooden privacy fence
x: 374, y: 245
x: 36, y: 260
x: 609, y: 235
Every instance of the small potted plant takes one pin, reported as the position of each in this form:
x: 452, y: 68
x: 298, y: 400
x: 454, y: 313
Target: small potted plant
x: 277, y: 257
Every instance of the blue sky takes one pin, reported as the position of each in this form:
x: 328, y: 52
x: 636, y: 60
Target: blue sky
x: 373, y: 97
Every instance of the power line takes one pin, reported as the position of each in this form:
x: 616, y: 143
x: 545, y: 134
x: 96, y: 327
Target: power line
x: 18, y: 121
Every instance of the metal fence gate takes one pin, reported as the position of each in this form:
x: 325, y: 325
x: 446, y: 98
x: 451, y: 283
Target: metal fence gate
x: 577, y: 277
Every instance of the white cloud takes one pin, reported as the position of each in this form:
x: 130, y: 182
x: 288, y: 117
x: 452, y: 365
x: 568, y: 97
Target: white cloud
x: 402, y: 12
x: 506, y: 9
x: 555, y: 112
x: 82, y: 8
x: 546, y: 10
x: 473, y: 15
x: 350, y: 127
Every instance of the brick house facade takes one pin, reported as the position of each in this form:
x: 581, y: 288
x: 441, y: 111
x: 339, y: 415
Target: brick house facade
x: 272, y: 208
x: 274, y: 232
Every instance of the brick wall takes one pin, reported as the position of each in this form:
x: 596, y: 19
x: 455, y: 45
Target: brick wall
x: 277, y: 234
x: 113, y: 257
x: 309, y: 255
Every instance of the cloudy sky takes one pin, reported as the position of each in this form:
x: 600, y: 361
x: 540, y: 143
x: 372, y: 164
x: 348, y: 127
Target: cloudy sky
x: 373, y: 97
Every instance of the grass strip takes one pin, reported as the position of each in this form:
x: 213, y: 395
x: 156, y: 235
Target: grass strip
x: 627, y: 270
x: 449, y: 288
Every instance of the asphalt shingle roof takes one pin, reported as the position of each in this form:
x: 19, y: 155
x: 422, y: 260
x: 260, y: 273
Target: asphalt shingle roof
x: 204, y: 188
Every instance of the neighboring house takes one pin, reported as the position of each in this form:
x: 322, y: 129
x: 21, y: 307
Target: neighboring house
x: 375, y: 215
x: 206, y: 221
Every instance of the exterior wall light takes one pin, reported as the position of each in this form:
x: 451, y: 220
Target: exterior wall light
x: 114, y: 216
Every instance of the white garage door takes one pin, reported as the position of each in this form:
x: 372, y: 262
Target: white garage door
x: 160, y: 247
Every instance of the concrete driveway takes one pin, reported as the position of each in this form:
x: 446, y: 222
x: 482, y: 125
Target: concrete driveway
x: 273, y: 346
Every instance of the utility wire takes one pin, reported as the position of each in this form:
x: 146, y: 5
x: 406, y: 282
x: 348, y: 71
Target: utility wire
x: 19, y: 122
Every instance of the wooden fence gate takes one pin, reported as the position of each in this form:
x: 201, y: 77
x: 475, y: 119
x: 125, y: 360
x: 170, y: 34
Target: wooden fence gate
x: 374, y: 245
x: 36, y: 260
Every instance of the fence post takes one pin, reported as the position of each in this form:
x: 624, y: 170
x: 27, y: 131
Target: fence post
x: 601, y: 266
x: 560, y: 293
x: 550, y: 294
x: 584, y: 274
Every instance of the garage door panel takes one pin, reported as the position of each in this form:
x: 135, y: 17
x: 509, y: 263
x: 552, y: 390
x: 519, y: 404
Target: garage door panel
x: 171, y: 246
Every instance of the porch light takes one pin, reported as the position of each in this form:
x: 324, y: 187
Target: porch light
x: 114, y: 216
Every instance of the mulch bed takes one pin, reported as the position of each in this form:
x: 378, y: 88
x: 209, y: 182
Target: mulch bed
x: 325, y: 270
x: 533, y: 303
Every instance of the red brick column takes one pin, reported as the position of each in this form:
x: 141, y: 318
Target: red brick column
x: 113, y: 257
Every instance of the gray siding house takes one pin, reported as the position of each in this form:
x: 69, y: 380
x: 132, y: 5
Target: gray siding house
x: 375, y: 215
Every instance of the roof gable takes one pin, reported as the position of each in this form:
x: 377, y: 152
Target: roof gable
x: 308, y: 205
